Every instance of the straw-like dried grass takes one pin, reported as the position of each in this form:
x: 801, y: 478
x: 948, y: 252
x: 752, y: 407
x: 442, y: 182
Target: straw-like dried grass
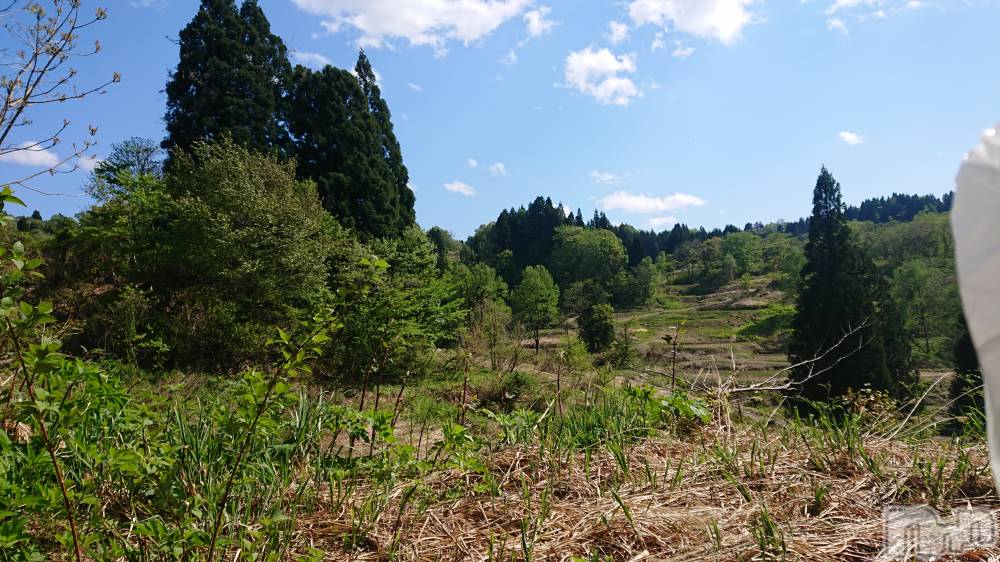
x: 557, y: 505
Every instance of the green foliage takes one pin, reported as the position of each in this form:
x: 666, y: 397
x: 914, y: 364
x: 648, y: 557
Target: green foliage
x: 633, y: 288
x: 745, y: 249
x: 622, y: 353
x: 768, y: 535
x: 111, y: 474
x: 582, y: 295
x: 395, y: 307
x: 535, y: 300
x: 478, y: 284
x: 846, y: 330
x: 390, y: 150
x: 135, y: 157
x: 445, y: 245
x: 519, y: 238
x: 229, y: 80
x: 228, y: 245
x: 580, y: 254
x: 233, y: 80
x: 927, y: 236
x: 338, y: 144
x: 928, y: 298
x: 597, y: 327
x: 627, y: 414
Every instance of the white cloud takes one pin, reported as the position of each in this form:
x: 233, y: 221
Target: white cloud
x: 88, y: 163
x: 852, y: 139
x: 682, y: 51
x: 498, y: 169
x: 147, y: 3
x: 839, y: 5
x: 605, y: 178
x: 461, y: 188
x: 311, y: 60
x: 35, y: 157
x: 596, y: 73
x: 839, y: 11
x: 647, y: 204
x: 431, y: 23
x: 536, y: 22
x: 617, y: 32
x: 721, y: 20
x: 836, y: 24
x: 415, y: 87
x: 471, y: 162
x: 510, y: 59
x: 660, y: 223
x: 658, y: 42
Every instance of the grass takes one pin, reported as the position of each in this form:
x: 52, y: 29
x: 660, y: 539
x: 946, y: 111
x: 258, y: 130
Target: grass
x: 617, y: 466
x: 743, y: 493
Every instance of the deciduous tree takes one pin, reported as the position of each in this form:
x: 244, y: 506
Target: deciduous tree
x: 536, y: 299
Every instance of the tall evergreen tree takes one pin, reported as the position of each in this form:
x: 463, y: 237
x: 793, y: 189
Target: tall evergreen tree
x: 338, y: 145
x: 635, y: 252
x: 391, y: 151
x: 229, y: 79
x: 842, y: 297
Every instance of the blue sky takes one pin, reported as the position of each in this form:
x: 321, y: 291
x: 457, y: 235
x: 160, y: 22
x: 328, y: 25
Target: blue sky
x: 701, y: 111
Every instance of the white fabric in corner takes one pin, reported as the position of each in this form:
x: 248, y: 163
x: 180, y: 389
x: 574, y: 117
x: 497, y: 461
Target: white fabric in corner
x: 975, y: 221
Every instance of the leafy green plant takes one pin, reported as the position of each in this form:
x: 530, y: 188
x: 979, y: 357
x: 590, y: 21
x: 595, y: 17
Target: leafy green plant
x: 768, y: 535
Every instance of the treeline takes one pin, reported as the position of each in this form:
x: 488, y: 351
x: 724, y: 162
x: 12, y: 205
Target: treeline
x: 294, y: 197
x: 591, y: 262
x: 527, y: 232
x: 898, y: 207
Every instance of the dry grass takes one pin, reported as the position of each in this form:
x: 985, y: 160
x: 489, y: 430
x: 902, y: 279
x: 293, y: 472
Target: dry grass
x: 560, y: 505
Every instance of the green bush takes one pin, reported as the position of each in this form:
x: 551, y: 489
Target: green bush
x: 597, y: 327
x: 227, y: 243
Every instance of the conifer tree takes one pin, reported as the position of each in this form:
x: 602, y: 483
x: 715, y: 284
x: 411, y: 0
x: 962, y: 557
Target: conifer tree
x: 337, y: 144
x: 635, y: 252
x: 391, y: 151
x: 843, y: 300
x: 228, y: 81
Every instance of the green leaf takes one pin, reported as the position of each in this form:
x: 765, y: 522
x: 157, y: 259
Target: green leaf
x: 14, y: 200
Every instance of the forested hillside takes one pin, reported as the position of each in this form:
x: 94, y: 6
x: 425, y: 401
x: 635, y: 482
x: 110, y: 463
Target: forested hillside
x: 247, y: 349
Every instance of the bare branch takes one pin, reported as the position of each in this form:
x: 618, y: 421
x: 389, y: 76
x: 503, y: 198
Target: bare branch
x: 762, y: 386
x: 36, y: 73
